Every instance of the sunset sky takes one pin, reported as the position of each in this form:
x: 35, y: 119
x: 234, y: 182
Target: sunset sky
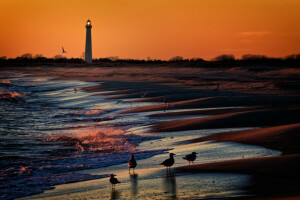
x: 159, y: 29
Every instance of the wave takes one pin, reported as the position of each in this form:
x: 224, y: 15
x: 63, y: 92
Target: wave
x: 11, y: 96
x: 105, y: 140
x: 27, y: 177
x: 4, y: 81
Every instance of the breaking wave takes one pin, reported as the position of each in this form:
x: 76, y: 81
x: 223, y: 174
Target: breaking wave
x: 105, y: 140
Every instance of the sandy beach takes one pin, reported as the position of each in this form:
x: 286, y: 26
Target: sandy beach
x: 246, y: 133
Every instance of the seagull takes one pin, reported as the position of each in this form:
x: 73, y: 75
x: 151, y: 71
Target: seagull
x: 144, y: 94
x: 217, y: 88
x: 113, y: 181
x: 75, y: 90
x: 63, y: 50
x: 169, y: 162
x: 165, y: 101
x: 132, y: 163
x: 121, y: 101
x: 190, y: 157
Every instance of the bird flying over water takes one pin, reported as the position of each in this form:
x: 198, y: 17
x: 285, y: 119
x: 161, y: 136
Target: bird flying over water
x: 169, y: 162
x: 190, y: 157
x: 132, y: 163
x: 121, y: 101
x: 113, y: 181
x: 144, y: 94
x: 63, y: 50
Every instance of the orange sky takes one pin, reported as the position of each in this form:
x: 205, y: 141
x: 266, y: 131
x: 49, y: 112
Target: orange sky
x: 159, y: 29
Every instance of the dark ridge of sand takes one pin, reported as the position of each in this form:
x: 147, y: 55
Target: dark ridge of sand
x: 272, y: 176
x: 285, y: 138
x: 208, y: 111
x: 223, y: 101
x: 150, y: 99
x: 125, y: 96
x: 162, y: 106
x: 116, y: 92
x: 255, y: 118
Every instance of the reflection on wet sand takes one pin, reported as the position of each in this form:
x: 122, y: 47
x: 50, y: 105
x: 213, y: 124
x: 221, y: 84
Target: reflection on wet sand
x: 134, y: 184
x: 169, y: 183
x: 115, y: 194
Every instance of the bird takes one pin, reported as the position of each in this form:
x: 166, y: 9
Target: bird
x: 169, y: 162
x: 190, y: 157
x: 144, y: 94
x: 113, y: 181
x: 63, y: 50
x: 164, y: 101
x: 121, y: 101
x: 217, y: 88
x: 75, y: 90
x: 132, y: 163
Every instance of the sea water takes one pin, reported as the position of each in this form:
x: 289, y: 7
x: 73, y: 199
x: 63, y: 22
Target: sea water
x: 51, y: 130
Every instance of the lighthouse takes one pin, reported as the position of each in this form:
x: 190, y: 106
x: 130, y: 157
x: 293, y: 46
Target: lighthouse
x: 88, y: 42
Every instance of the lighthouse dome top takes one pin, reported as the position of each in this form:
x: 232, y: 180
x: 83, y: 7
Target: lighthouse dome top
x: 88, y: 24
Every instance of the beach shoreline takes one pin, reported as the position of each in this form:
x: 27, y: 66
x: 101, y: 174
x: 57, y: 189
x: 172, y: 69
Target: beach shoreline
x: 277, y: 117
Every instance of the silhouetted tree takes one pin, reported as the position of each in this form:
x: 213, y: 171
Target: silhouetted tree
x: 113, y: 58
x: 36, y: 56
x: 224, y: 57
x: 176, y: 58
x: 293, y: 57
x: 3, y: 58
x: 253, y: 57
x: 27, y: 56
x: 57, y: 57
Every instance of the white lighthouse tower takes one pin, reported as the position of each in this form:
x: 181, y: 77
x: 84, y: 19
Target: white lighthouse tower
x: 88, y: 42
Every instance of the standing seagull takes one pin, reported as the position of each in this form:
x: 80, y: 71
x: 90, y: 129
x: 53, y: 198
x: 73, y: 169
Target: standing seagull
x: 217, y: 88
x: 132, y: 163
x: 190, y: 157
x: 169, y: 162
x: 165, y: 101
x: 113, y: 181
x: 63, y: 50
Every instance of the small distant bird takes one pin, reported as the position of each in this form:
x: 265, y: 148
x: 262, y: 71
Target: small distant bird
x: 63, y: 50
x: 121, y: 101
x: 164, y: 101
x: 132, y: 163
x: 217, y: 88
x: 75, y: 90
x: 169, y: 162
x: 144, y: 94
x: 113, y: 181
x: 190, y: 157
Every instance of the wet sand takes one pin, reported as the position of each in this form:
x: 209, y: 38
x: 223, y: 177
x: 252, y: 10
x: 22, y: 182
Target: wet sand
x: 245, y: 99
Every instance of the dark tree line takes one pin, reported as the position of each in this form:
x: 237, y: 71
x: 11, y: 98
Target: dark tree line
x: 223, y: 61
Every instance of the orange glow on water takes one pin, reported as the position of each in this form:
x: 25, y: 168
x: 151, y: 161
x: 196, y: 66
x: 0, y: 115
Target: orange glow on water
x: 156, y: 28
x: 92, y: 112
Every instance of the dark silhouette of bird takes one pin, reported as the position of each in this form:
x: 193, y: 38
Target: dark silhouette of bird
x: 63, y: 50
x: 217, y: 88
x: 121, y: 101
x: 75, y: 90
x: 113, y: 181
x: 169, y: 162
x: 144, y: 94
x: 164, y: 101
x: 132, y: 163
x: 190, y: 157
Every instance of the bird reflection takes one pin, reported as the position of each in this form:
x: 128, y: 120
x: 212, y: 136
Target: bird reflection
x: 169, y: 183
x: 134, y: 183
x: 115, y: 194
